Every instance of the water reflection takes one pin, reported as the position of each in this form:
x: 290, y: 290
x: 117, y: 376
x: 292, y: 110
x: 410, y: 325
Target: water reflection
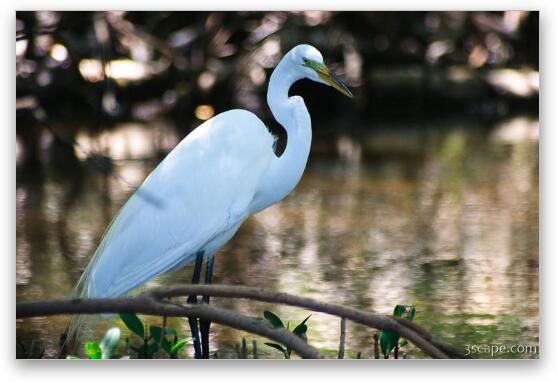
x: 444, y: 216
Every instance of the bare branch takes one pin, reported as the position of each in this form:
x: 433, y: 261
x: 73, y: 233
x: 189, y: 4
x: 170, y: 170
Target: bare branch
x: 405, y: 328
x: 153, y: 303
x: 376, y: 344
x: 146, y: 304
x: 342, y: 338
x: 254, y: 349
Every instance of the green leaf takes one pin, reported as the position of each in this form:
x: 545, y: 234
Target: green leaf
x: 142, y: 351
x: 410, y: 312
x: 156, y: 333
x: 166, y: 345
x: 152, y: 349
x: 93, y: 350
x: 405, y: 311
x: 273, y: 318
x: 178, y: 345
x: 388, y: 340
x: 278, y: 347
x: 399, y: 310
x: 133, y: 323
x: 305, y: 320
x: 158, y: 337
x: 402, y: 343
x: 302, y: 328
x: 170, y: 331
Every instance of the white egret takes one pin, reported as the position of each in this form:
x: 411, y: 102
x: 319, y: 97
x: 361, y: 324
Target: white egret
x: 209, y: 184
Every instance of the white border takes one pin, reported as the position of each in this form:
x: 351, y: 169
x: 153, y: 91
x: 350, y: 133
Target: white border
x: 543, y: 369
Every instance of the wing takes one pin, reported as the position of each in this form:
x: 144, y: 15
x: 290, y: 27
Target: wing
x: 198, y: 193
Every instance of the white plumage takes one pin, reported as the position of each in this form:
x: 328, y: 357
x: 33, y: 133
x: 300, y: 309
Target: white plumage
x: 199, y: 195
x: 194, y: 200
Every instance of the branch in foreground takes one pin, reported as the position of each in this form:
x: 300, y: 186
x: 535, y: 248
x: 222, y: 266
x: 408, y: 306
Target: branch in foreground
x: 146, y: 304
x: 409, y: 330
x: 405, y: 329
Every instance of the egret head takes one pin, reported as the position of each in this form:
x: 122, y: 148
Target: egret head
x: 309, y: 61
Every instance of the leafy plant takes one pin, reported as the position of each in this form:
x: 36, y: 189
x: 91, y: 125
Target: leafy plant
x: 389, y: 340
x: 106, y: 347
x: 154, y: 339
x: 93, y: 350
x: 300, y: 330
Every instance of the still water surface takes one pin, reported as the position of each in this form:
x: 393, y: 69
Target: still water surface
x: 443, y: 216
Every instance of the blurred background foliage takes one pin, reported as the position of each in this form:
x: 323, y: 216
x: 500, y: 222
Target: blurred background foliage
x: 95, y: 69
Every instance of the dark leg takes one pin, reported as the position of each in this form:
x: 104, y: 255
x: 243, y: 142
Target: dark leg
x: 192, y: 299
x: 203, y: 324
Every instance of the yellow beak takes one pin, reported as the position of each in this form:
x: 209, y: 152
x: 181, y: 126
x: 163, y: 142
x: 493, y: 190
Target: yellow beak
x: 325, y: 74
x: 331, y: 79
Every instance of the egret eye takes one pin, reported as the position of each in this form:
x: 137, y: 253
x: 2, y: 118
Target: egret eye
x: 305, y: 60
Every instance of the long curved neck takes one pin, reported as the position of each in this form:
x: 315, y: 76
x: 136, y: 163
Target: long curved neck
x: 281, y: 105
x: 285, y: 171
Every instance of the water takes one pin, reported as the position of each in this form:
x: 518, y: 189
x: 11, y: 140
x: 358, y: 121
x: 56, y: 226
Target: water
x: 442, y: 215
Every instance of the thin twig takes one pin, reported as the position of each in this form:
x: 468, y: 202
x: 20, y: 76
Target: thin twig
x: 254, y: 349
x: 63, y: 346
x: 244, y: 348
x: 376, y: 344
x: 342, y: 338
x: 163, y: 332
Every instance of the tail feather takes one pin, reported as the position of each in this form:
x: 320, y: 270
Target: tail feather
x: 83, y: 286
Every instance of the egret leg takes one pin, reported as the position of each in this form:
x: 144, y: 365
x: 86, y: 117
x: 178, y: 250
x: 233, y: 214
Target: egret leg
x: 204, y: 325
x: 192, y: 299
